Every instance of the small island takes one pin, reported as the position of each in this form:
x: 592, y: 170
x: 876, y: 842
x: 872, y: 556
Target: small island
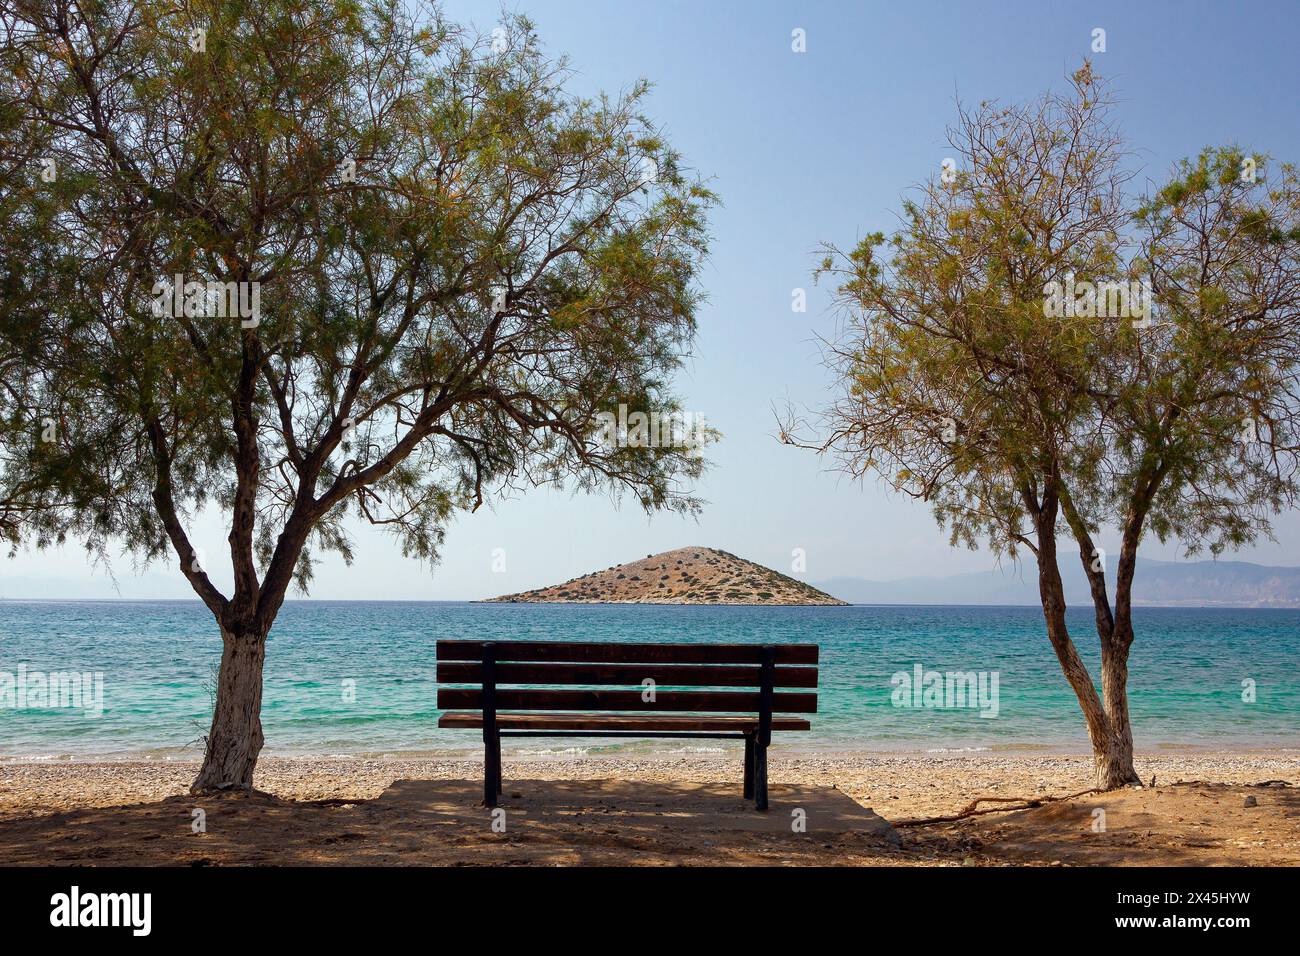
x: 683, y: 576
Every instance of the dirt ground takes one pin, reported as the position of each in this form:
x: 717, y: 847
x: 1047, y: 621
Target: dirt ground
x: 685, y: 811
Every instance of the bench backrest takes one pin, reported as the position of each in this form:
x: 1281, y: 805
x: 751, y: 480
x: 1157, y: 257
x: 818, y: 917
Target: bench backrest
x: 763, y: 670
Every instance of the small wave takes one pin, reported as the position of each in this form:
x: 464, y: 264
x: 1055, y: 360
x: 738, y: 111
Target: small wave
x: 38, y: 757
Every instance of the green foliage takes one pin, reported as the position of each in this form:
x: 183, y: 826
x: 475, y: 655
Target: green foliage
x: 977, y: 375
x: 379, y: 381
x: 960, y: 388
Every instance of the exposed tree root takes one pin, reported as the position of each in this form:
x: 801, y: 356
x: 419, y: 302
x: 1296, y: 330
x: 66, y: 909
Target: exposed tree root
x: 1025, y: 803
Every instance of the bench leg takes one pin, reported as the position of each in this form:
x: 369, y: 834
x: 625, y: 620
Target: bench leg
x: 497, y: 760
x: 491, y: 771
x: 749, y: 766
x: 760, y: 777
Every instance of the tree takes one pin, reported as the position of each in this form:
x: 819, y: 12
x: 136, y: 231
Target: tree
x: 306, y: 259
x: 1039, y: 356
x: 24, y: 276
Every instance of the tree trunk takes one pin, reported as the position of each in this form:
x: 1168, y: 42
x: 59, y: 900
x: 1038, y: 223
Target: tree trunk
x: 1109, y: 731
x: 1115, y: 758
x: 235, y: 739
x: 1115, y: 765
x: 1072, y: 666
x: 1051, y: 591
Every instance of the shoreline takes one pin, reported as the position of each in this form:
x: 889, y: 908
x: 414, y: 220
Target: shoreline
x: 656, y: 751
x: 893, y: 783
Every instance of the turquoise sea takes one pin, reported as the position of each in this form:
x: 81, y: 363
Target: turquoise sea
x: 1189, y: 673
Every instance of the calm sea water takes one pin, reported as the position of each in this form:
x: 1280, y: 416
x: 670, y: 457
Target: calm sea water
x: 158, y: 661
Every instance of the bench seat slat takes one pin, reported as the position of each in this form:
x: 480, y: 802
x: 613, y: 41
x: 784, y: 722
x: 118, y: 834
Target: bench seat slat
x: 625, y: 653
x: 683, y: 675
x: 455, y: 698
x: 629, y: 722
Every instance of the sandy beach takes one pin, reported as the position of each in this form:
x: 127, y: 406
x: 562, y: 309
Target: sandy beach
x: 1206, y: 808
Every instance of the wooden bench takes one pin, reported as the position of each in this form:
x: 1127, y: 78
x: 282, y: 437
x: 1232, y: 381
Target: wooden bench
x: 587, y: 707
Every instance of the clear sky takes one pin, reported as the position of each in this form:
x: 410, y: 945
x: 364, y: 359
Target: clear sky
x: 805, y: 148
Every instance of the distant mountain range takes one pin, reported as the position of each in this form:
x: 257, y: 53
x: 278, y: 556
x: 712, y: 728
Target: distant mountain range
x: 1156, y: 583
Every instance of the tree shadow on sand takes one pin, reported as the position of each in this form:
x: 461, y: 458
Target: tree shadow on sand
x: 423, y: 822
x: 619, y: 822
x: 1183, y: 824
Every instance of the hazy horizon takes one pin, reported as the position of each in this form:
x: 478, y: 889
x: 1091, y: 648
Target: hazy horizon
x: 156, y: 585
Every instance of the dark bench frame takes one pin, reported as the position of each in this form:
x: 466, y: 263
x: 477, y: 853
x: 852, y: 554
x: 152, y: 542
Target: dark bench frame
x: 457, y: 660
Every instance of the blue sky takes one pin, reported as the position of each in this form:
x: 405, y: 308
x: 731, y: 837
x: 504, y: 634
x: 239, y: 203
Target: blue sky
x: 804, y: 148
